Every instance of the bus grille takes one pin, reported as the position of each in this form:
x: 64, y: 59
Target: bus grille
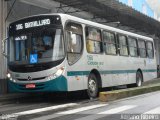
x: 33, y: 79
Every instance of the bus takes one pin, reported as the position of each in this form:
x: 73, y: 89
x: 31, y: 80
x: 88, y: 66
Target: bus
x: 60, y: 52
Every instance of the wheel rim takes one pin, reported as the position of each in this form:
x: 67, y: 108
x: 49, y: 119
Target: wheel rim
x: 92, y: 87
x: 139, y: 80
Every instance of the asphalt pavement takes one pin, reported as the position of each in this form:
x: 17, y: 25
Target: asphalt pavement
x: 141, y: 107
x: 134, y: 107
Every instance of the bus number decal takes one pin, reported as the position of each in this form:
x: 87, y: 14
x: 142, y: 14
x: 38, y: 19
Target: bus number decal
x: 91, y: 61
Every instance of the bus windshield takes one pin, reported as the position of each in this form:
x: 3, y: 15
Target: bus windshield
x: 41, y: 45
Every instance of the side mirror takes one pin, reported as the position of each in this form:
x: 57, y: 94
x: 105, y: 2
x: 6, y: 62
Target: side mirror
x: 4, y: 47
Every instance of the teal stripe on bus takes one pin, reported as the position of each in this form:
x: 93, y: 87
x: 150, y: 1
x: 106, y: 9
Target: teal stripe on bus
x: 81, y: 73
x: 150, y: 70
x: 118, y: 71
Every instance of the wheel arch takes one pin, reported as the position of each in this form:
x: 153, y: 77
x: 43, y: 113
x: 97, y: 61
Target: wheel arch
x: 98, y: 76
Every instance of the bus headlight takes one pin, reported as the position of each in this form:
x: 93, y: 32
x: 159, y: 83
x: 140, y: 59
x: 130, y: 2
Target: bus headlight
x: 10, y: 77
x: 57, y: 74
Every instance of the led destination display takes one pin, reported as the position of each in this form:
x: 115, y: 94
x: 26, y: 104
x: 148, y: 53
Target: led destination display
x: 33, y: 24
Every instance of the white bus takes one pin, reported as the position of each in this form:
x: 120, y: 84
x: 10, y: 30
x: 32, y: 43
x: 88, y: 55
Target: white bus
x: 59, y: 52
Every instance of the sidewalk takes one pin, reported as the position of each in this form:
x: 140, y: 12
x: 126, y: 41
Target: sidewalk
x: 149, y: 86
x: 154, y: 81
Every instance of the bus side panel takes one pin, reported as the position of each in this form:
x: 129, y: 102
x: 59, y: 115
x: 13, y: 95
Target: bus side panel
x: 150, y: 72
x: 75, y: 76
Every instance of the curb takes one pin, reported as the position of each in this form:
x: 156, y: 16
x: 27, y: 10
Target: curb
x: 118, y: 94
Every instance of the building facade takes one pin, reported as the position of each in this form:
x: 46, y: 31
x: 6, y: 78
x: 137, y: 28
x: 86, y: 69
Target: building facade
x: 150, y: 8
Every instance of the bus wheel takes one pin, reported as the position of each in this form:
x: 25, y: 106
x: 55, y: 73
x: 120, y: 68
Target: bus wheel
x: 92, y: 86
x: 139, y: 79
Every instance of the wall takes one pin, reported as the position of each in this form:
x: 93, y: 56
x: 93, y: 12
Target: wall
x: 3, y: 14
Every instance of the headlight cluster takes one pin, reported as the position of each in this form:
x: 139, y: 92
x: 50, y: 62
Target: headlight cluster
x: 10, y: 77
x: 55, y: 75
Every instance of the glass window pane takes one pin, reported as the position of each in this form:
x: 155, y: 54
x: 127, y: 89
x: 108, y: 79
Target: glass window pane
x: 74, y: 40
x: 93, y: 34
x: 150, y: 50
x: 20, y: 50
x: 133, y: 51
x: 110, y: 48
x: 150, y: 53
x: 149, y: 45
x: 75, y: 47
x: 43, y: 44
x: 142, y: 48
x: 110, y: 42
x: 108, y: 37
x: 93, y: 40
x: 122, y: 40
x: 133, y: 47
x: 123, y: 45
x: 141, y: 44
x: 123, y: 50
x: 132, y: 42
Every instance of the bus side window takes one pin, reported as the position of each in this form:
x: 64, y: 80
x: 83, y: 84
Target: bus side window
x: 123, y: 46
x: 150, y: 50
x: 110, y: 43
x: 74, y: 37
x: 133, y: 48
x: 142, y: 48
x: 93, y: 40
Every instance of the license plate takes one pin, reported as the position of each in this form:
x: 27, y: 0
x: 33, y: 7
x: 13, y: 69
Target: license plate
x: 30, y: 86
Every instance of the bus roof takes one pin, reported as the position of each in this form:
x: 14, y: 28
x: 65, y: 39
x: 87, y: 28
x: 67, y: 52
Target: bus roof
x: 94, y: 24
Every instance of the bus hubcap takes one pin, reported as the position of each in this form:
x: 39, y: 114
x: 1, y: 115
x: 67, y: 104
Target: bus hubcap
x: 92, y: 86
x: 139, y: 81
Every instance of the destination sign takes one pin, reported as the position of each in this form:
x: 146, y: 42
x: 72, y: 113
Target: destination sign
x: 23, y: 37
x: 32, y: 24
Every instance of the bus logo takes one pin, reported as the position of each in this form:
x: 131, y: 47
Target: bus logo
x: 29, y: 78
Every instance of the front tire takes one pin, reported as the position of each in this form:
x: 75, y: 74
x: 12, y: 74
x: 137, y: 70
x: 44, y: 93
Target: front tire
x: 92, y: 86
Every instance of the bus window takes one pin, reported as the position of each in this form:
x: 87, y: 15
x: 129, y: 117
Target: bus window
x: 110, y: 42
x: 20, y: 53
x: 74, y: 42
x: 93, y: 40
x: 133, y: 49
x: 150, y: 51
x: 123, y: 45
x: 142, y: 48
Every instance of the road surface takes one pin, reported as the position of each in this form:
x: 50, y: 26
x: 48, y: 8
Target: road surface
x: 142, y: 107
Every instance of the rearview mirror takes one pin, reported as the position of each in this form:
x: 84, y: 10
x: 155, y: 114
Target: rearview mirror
x: 4, y: 47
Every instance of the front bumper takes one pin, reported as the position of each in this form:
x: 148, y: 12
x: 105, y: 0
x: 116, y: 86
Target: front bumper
x: 58, y: 84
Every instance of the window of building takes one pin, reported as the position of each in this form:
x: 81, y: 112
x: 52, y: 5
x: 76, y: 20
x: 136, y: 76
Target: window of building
x: 74, y: 36
x: 123, y: 47
x: 144, y: 9
x: 93, y: 40
x: 150, y: 50
x: 130, y: 3
x: 133, y: 49
x: 110, y: 42
x: 142, y: 48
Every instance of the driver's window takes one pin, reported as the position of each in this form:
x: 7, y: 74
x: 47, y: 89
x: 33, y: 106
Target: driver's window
x: 74, y: 42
